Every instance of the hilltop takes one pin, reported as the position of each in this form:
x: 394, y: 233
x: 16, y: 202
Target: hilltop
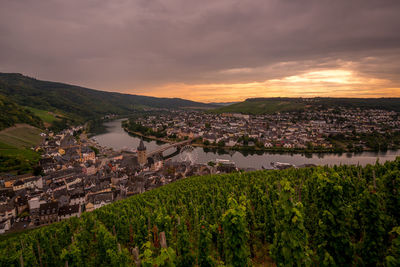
x: 80, y: 103
x: 262, y: 106
x: 257, y: 106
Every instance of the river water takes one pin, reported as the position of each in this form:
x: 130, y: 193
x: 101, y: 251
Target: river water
x: 116, y: 138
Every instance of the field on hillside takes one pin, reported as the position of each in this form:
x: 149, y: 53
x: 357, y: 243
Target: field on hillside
x: 255, y: 107
x: 339, y: 216
x: 15, y: 144
x: 21, y: 136
x: 45, y: 115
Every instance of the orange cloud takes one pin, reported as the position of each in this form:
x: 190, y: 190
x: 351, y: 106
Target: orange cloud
x: 332, y: 82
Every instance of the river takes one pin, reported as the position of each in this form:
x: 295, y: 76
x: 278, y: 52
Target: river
x: 116, y: 138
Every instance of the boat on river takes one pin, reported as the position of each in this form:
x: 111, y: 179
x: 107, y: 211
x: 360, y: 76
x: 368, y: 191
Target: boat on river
x: 282, y: 165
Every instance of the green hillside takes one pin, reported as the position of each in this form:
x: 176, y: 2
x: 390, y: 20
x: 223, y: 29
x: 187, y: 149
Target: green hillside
x: 272, y: 105
x: 340, y: 216
x: 77, y: 102
x: 11, y: 113
x: 15, y: 148
x: 262, y: 106
x: 44, y: 115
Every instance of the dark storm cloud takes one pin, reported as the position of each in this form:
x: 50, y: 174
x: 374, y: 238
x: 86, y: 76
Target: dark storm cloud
x: 134, y: 45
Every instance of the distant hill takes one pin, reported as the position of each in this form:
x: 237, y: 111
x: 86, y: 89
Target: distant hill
x: 392, y: 103
x: 222, y: 103
x: 262, y: 106
x: 78, y: 102
x: 11, y: 114
x: 278, y: 104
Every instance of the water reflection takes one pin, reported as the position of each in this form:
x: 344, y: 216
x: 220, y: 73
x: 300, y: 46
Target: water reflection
x: 118, y: 139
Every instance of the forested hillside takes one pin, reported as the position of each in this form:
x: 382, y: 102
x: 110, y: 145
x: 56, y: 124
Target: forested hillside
x: 284, y: 104
x: 11, y: 113
x: 340, y: 216
x: 78, y: 102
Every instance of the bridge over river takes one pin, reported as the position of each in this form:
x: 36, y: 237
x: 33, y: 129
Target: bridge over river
x: 163, y: 148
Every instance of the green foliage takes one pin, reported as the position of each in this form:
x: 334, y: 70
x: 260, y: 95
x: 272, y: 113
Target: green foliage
x: 11, y: 113
x: 393, y: 258
x: 132, y: 126
x: 184, y: 248
x: 166, y: 257
x: 262, y: 106
x: 44, y: 115
x: 78, y: 103
x: 290, y: 241
x: 339, y: 216
x: 236, y: 234
x: 15, y: 149
x: 333, y: 232
x: 284, y: 104
x: 204, y: 256
x: 374, y: 222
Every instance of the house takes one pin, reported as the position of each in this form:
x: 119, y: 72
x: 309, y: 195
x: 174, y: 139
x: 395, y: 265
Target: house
x: 5, y: 226
x: 33, y: 204
x: 287, y: 145
x: 230, y: 143
x: 89, y: 207
x: 34, y: 182
x: 68, y: 211
x: 268, y: 145
x: 63, y: 200
x: 18, y: 185
x: 102, y: 199
x: 21, y: 204
x: 48, y: 212
x: 7, y: 211
x: 77, y: 198
x: 87, y: 154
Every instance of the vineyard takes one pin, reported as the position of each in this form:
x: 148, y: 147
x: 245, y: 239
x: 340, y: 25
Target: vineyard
x: 339, y: 216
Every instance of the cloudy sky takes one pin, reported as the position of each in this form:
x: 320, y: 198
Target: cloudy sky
x: 207, y: 50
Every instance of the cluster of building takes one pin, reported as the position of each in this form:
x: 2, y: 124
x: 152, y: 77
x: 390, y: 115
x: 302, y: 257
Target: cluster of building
x: 75, y: 179
x: 77, y: 175
x: 281, y: 130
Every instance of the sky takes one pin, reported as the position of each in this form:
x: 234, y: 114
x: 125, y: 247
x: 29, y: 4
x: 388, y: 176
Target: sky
x: 209, y: 51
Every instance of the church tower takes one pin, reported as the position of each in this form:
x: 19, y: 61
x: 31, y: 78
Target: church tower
x: 141, y: 152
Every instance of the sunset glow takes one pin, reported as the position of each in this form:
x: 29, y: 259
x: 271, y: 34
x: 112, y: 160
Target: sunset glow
x: 206, y: 50
x: 336, y: 83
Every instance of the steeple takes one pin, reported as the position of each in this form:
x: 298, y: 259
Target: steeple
x: 141, y: 152
x: 141, y: 146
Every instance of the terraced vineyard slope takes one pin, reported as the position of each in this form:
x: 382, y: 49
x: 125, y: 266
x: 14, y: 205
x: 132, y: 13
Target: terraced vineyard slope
x: 339, y: 216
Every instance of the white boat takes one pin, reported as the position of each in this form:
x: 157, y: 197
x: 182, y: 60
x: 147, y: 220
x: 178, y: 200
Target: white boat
x: 282, y: 165
x: 225, y: 162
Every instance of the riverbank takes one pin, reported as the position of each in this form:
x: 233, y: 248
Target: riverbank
x: 119, y: 139
x: 254, y: 148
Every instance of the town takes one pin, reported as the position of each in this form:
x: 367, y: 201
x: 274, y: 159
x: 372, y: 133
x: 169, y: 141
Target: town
x: 330, y: 130
x: 77, y: 175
